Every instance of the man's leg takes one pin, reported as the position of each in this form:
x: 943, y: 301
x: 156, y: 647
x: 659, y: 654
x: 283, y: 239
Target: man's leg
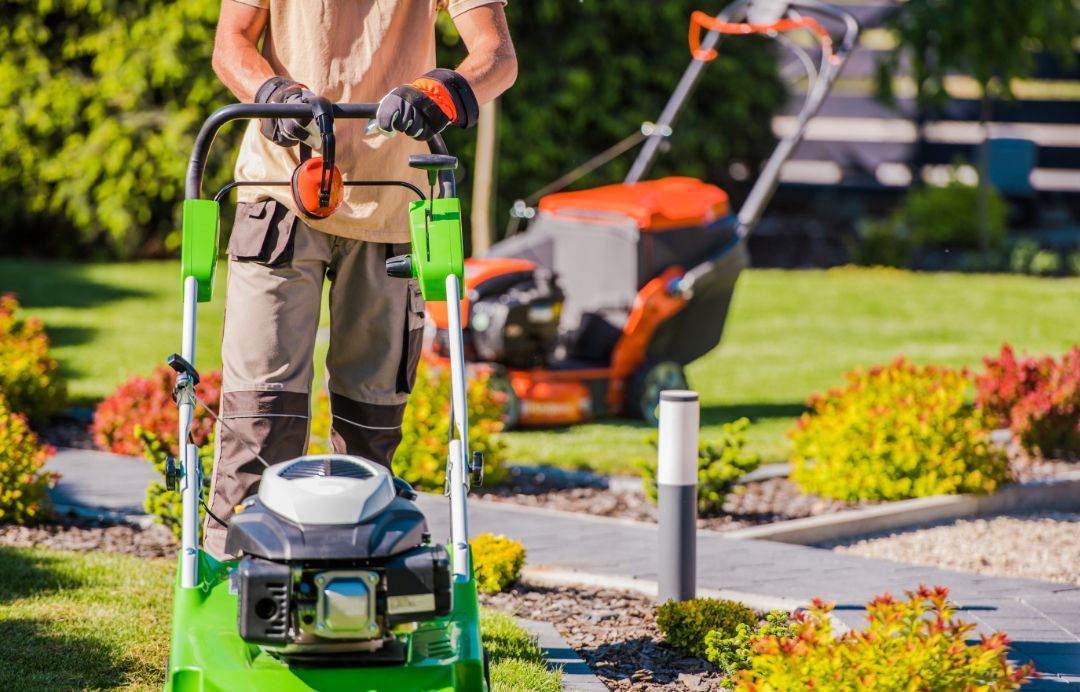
x: 376, y: 332
x: 276, y: 270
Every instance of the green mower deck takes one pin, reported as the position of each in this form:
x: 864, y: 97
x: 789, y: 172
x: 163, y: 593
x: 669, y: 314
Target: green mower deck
x: 209, y: 655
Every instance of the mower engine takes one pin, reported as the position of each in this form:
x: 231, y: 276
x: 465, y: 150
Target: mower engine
x: 335, y: 561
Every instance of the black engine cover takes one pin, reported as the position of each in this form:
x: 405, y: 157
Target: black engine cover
x: 518, y: 328
x: 259, y: 532
x: 264, y: 600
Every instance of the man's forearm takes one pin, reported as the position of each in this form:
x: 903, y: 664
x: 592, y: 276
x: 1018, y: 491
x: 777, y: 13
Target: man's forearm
x: 491, y: 66
x: 237, y: 60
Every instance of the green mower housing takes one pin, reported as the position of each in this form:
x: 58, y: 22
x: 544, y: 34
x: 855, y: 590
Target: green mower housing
x: 208, y: 655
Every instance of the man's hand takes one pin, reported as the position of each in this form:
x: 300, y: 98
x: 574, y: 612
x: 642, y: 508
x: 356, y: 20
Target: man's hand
x: 286, y: 132
x: 425, y: 107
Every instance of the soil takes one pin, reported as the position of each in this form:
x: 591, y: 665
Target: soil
x: 87, y: 535
x: 615, y: 632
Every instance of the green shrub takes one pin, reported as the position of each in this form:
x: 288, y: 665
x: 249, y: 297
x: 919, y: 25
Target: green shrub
x: 165, y: 505
x: 896, y: 432
x: 721, y: 463
x: 946, y: 216
x: 23, y: 482
x: 497, y: 562
x: 731, y: 653
x: 421, y: 457
x: 687, y: 624
x: 906, y: 645
x: 109, y: 96
x: 885, y: 242
x: 29, y: 376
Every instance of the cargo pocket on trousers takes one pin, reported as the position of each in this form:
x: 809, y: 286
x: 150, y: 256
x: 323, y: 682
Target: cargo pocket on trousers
x: 414, y: 338
x: 263, y: 232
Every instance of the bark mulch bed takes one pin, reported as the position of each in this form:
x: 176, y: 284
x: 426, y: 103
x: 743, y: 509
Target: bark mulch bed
x: 752, y: 504
x: 87, y: 535
x: 615, y: 632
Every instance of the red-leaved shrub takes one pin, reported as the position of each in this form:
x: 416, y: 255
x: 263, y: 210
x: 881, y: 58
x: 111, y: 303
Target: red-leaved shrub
x: 147, y: 402
x: 1037, y: 398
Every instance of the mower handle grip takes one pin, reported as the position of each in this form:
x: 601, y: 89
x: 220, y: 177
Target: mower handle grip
x: 248, y: 111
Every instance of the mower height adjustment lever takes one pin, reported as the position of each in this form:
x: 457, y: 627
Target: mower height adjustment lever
x: 183, y: 370
x: 172, y: 473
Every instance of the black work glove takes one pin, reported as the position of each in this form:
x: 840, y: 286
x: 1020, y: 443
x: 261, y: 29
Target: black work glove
x: 425, y: 107
x: 286, y: 132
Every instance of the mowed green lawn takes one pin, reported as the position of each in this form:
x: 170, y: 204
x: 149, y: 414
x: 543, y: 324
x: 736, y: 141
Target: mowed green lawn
x: 789, y: 334
x: 101, y: 621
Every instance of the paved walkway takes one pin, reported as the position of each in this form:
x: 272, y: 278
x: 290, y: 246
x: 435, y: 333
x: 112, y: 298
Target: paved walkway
x: 1042, y: 618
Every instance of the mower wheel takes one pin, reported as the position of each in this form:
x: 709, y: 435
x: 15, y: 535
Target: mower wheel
x: 487, y: 669
x: 499, y: 381
x: 645, y: 386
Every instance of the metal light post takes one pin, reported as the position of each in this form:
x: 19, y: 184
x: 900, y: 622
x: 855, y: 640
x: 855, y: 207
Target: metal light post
x: 677, y: 484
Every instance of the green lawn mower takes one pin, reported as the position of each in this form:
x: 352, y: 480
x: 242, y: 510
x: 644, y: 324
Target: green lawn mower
x: 337, y: 584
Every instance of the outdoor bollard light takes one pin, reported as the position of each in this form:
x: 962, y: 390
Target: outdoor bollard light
x: 677, y: 485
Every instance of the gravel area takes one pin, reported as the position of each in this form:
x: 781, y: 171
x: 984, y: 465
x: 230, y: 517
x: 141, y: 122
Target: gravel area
x: 615, y: 632
x: 1038, y: 545
x: 70, y: 431
x: 84, y: 535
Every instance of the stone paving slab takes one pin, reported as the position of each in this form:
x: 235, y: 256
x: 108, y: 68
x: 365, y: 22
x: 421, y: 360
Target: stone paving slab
x: 100, y: 481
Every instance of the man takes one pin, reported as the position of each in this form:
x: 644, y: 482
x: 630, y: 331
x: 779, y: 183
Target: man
x: 354, y: 51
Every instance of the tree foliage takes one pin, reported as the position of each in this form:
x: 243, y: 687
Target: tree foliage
x: 103, y: 100
x: 993, y: 41
x: 105, y: 96
x: 591, y: 72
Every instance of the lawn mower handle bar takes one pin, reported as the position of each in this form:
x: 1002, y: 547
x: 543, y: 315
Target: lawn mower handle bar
x: 249, y: 111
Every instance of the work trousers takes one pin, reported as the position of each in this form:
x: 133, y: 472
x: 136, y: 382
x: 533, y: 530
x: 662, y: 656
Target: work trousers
x: 277, y: 265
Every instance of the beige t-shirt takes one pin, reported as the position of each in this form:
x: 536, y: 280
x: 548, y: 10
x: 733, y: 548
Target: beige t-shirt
x: 350, y: 51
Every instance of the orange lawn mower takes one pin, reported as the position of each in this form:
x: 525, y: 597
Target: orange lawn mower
x: 606, y: 297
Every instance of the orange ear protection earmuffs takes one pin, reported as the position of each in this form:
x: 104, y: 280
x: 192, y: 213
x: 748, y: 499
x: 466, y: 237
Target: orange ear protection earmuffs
x: 317, y: 187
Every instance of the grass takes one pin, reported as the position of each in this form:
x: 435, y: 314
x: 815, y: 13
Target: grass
x: 789, y: 334
x: 101, y: 621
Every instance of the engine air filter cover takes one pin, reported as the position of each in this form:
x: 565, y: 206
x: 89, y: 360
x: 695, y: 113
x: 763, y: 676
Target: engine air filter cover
x: 327, y: 489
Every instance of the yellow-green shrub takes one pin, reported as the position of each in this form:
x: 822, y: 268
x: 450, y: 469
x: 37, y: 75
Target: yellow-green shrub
x: 907, y: 645
x: 421, y: 457
x: 721, y: 463
x: 497, y: 562
x: 687, y: 624
x: 23, y: 483
x: 163, y: 504
x: 896, y: 432
x: 29, y: 376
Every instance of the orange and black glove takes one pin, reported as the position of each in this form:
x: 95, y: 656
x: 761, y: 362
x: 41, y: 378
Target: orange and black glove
x: 286, y: 132
x: 424, y: 108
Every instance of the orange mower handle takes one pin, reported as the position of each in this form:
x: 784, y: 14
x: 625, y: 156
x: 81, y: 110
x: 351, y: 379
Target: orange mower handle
x: 700, y: 20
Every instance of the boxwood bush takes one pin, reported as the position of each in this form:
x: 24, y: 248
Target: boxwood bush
x: 687, y: 624
x: 24, y: 483
x: 895, y: 432
x: 721, y: 463
x: 29, y: 376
